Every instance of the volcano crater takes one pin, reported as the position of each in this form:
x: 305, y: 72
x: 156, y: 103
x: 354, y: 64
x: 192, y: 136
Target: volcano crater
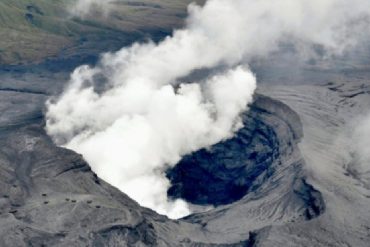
x: 227, y: 171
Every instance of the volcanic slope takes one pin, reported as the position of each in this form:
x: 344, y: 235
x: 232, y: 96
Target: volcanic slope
x: 32, y: 31
x: 306, y: 197
x: 50, y: 196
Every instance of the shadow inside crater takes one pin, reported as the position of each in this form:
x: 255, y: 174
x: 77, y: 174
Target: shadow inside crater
x: 227, y: 171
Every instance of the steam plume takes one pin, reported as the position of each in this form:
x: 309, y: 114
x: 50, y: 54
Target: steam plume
x: 359, y: 146
x: 82, y: 8
x: 132, y: 116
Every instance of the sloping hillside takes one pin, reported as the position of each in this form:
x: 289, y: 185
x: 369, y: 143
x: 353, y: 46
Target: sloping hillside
x: 32, y: 30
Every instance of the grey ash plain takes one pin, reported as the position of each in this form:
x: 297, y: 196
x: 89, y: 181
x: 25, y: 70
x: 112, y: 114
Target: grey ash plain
x: 266, y: 183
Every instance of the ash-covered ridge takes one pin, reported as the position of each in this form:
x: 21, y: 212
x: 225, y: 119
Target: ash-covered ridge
x: 50, y: 196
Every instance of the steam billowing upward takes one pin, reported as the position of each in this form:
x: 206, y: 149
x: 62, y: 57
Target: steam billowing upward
x: 359, y: 147
x: 82, y: 8
x: 132, y: 116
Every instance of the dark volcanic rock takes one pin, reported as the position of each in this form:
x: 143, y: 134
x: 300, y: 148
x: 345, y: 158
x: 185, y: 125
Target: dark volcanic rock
x: 313, y: 199
x: 226, y: 171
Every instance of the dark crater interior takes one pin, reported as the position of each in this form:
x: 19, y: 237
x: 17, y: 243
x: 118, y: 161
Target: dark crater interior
x: 229, y: 170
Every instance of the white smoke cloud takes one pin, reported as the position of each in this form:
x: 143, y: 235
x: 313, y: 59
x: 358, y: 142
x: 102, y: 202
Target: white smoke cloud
x: 132, y: 116
x: 130, y: 133
x: 133, y: 131
x: 83, y: 8
x: 359, y: 146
